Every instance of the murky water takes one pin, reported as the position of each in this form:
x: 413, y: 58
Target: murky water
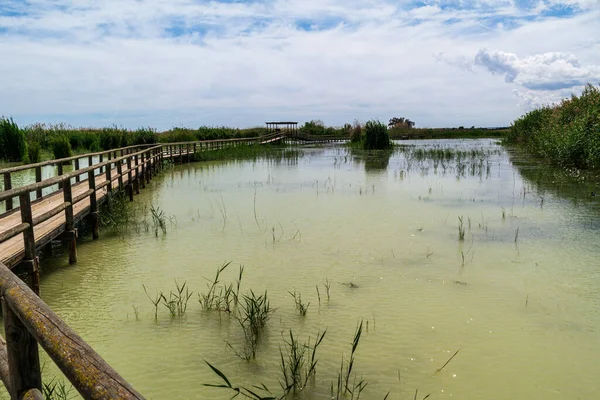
x: 519, y: 296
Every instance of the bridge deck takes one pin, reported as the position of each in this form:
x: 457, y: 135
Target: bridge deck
x: 12, y: 250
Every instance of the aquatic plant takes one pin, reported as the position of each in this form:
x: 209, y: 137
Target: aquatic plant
x: 298, y: 362
x: 300, y: 306
x: 347, y: 384
x: 154, y: 300
x: 253, y: 315
x: 461, y: 229
x: 327, y: 285
x: 221, y: 298
x: 178, y: 300
x: 159, y: 220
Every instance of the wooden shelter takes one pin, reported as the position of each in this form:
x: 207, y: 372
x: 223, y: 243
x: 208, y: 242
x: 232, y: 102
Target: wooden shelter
x: 289, y: 128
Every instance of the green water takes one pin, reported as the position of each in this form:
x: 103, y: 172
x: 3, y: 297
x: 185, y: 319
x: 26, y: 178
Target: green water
x: 521, y: 307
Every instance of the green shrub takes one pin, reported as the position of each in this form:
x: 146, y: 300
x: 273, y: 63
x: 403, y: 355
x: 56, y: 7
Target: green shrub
x: 61, y: 148
x: 567, y: 134
x: 376, y: 136
x: 12, y: 141
x: 34, y: 151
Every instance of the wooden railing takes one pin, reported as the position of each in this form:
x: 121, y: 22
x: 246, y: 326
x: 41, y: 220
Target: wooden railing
x: 27, y: 319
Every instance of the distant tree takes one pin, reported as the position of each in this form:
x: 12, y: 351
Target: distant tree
x: 401, y: 123
x: 314, y: 127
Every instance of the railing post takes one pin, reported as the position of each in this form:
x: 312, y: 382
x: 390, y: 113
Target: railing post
x: 76, y: 169
x: 70, y: 231
x: 29, y: 242
x: 8, y: 186
x: 148, y: 165
x: 108, y: 175
x: 120, y: 174
x: 129, y: 179
x: 137, y: 175
x: 143, y: 174
x: 22, y: 353
x: 38, y: 179
x: 60, y: 172
x: 93, y: 205
x: 100, y: 161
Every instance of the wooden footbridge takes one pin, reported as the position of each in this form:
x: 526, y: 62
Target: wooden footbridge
x: 48, y: 210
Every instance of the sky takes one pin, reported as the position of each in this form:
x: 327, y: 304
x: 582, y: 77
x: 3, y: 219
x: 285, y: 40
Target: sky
x: 169, y: 63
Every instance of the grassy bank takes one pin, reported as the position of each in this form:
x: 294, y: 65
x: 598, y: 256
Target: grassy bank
x: 447, y: 133
x: 566, y: 134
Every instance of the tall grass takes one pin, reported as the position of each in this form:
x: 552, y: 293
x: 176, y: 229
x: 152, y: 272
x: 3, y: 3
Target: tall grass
x: 566, y: 134
x: 12, y: 141
x: 376, y: 136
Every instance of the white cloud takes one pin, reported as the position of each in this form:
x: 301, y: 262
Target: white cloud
x: 548, y: 71
x: 242, y: 63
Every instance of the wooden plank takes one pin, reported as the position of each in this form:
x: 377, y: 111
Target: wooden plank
x: 86, y: 370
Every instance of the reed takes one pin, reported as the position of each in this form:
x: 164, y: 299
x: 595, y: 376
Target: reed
x: 349, y: 385
x: 154, y: 300
x: 298, y: 363
x: 461, y: 229
x: 177, y: 301
x: 327, y: 285
x: 159, y: 220
x: 57, y: 390
x: 300, y: 305
x: 252, y: 316
x: 221, y: 298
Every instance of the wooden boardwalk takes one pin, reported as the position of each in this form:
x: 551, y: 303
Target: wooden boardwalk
x: 41, y: 218
x: 53, y: 214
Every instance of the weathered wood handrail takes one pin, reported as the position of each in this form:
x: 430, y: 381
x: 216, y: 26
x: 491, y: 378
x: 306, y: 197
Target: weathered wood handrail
x: 91, y: 376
